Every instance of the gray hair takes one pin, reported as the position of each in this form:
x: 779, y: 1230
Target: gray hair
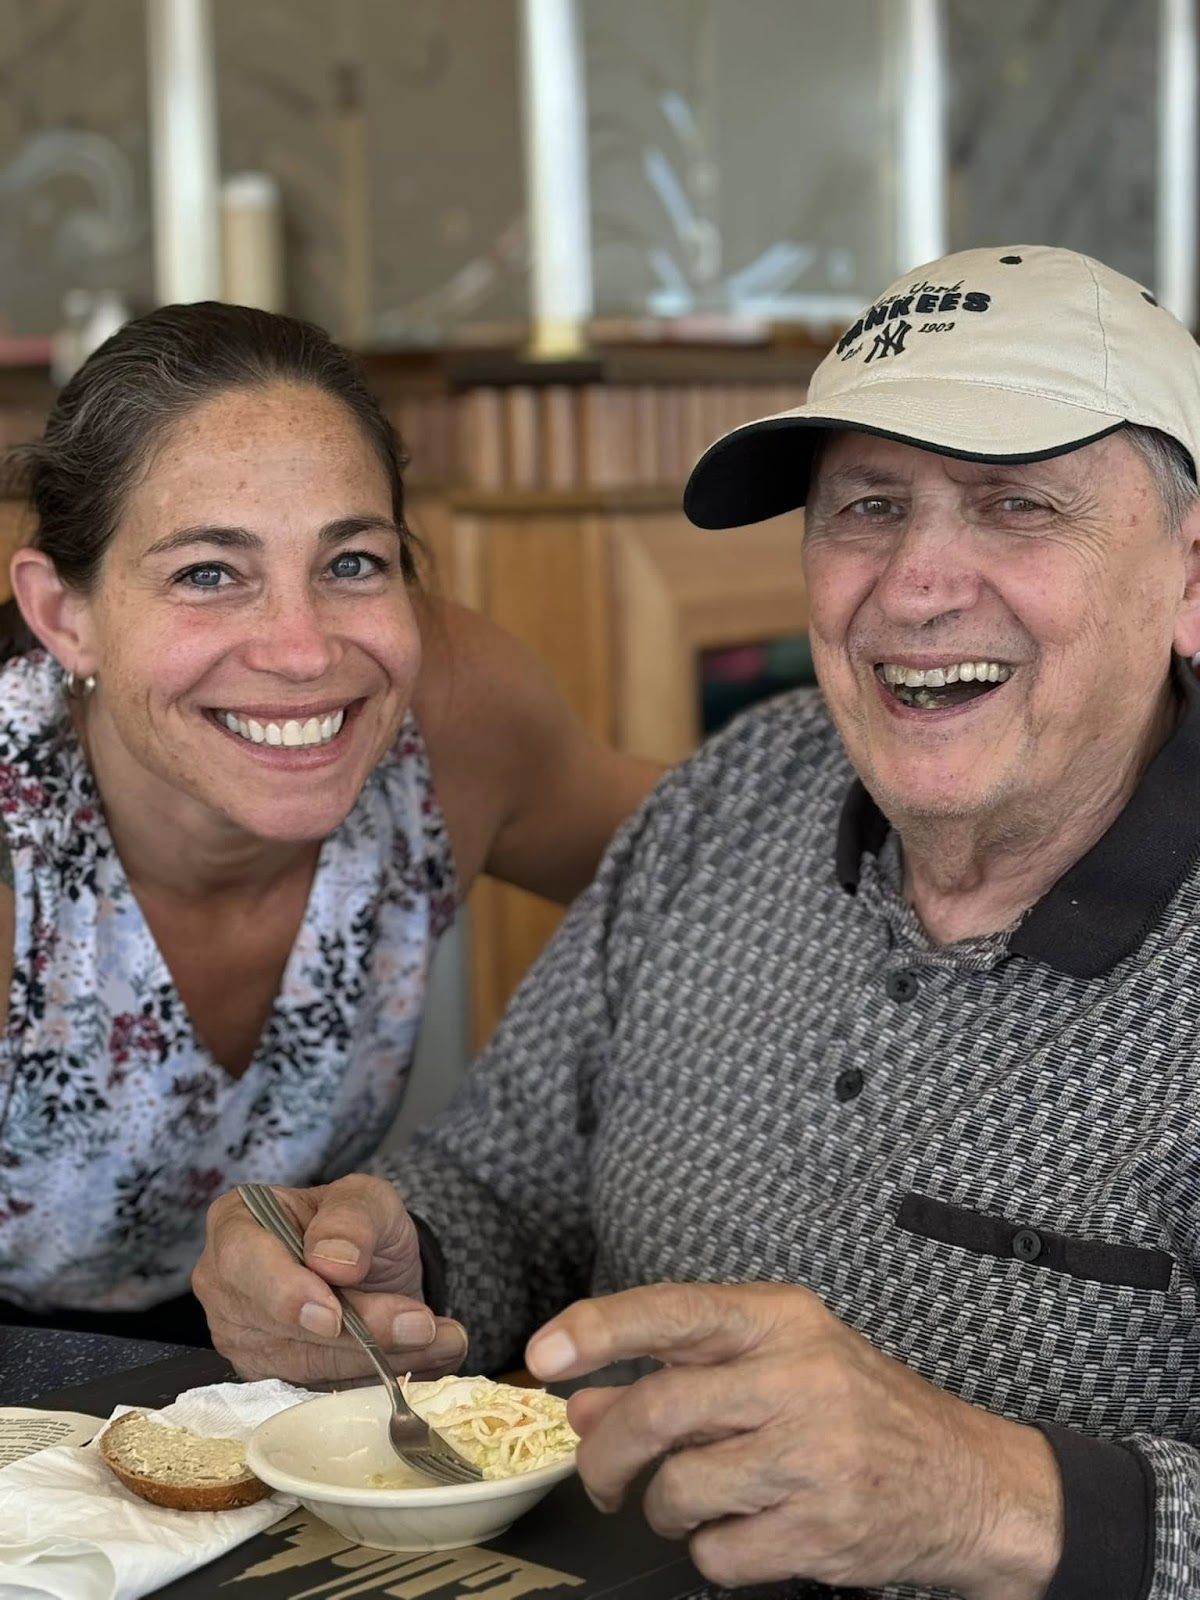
x: 1171, y: 468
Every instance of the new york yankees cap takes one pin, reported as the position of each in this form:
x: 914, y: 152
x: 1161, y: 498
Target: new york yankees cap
x: 1016, y: 353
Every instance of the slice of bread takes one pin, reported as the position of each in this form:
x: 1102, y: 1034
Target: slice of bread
x: 173, y: 1467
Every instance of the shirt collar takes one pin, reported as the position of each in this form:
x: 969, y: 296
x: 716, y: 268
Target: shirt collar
x: 1103, y: 907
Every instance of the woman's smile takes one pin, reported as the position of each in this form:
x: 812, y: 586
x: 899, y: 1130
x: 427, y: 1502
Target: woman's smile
x: 309, y: 727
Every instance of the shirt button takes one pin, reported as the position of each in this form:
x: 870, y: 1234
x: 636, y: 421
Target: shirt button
x: 902, y: 986
x: 1026, y: 1244
x: 848, y: 1084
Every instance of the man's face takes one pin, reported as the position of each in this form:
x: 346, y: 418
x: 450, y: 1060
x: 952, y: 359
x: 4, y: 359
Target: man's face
x: 1044, y: 599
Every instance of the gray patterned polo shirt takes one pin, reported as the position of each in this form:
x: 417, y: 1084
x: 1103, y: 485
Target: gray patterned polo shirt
x: 741, y: 1058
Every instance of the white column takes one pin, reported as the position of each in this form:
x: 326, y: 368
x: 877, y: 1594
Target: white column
x: 554, y: 109
x: 920, y: 88
x: 252, y: 241
x: 183, y: 151
x: 1175, y: 265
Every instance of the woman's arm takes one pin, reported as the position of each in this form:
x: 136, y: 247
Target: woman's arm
x: 528, y: 795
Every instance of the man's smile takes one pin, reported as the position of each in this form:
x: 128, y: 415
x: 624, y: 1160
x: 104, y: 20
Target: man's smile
x: 936, y: 688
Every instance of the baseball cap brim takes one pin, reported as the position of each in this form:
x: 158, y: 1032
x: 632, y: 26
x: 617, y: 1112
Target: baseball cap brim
x: 762, y: 469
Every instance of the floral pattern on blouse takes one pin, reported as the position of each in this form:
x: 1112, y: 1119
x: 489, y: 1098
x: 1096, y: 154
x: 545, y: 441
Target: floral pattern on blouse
x: 117, y: 1128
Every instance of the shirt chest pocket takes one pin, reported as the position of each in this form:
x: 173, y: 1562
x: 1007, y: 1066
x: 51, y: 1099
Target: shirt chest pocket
x: 1036, y: 1245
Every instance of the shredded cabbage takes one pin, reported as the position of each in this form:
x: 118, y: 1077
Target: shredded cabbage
x: 500, y: 1429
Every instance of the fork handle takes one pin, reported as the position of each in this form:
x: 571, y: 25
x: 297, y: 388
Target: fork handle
x: 263, y: 1207
x: 358, y: 1328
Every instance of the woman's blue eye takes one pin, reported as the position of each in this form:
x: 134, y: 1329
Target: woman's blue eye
x: 354, y: 564
x: 203, y: 577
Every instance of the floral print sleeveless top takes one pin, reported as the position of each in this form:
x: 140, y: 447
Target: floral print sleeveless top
x: 117, y: 1128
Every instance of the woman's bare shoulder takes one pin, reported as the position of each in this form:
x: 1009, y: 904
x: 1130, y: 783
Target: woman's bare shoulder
x: 528, y: 793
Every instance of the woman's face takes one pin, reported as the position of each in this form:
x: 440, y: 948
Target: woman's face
x: 250, y: 627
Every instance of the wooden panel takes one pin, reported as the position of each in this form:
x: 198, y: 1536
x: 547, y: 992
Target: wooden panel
x: 680, y: 590
x: 544, y: 577
x: 657, y: 702
x: 560, y: 438
x: 429, y: 516
x: 16, y: 526
x: 546, y: 581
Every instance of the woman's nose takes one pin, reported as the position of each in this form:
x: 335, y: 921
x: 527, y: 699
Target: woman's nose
x: 294, y: 639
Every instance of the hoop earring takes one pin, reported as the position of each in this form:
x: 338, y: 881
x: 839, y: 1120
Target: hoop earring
x: 84, y: 685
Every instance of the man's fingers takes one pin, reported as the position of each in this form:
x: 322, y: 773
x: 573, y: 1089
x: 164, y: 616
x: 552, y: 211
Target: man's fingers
x: 446, y: 1354
x: 756, y: 1549
x: 259, y: 1281
x: 707, y: 1483
x: 273, y: 1316
x: 261, y: 1349
x: 586, y: 1407
x: 682, y: 1323
x: 358, y: 1219
x: 670, y: 1409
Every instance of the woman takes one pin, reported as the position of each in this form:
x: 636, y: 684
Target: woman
x: 244, y: 784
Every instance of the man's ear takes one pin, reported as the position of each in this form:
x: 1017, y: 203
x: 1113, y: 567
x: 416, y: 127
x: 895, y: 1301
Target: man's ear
x: 1187, y: 615
x: 59, y: 615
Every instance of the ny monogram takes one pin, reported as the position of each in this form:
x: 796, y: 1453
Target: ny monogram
x: 890, y: 341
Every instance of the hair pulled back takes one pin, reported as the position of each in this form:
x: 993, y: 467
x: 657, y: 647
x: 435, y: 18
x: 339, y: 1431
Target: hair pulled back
x: 124, y: 399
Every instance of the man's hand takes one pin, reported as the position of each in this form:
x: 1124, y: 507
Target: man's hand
x: 790, y: 1447
x: 273, y: 1318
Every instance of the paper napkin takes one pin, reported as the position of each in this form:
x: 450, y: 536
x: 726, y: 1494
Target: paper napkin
x: 69, y: 1530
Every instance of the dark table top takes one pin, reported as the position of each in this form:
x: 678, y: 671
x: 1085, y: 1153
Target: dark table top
x: 35, y: 1360
x: 562, y: 1549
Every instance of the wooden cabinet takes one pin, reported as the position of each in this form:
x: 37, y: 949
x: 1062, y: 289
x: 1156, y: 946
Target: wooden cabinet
x: 619, y: 594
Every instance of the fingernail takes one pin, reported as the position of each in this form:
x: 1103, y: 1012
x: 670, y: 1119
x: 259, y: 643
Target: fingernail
x: 336, y: 1250
x: 320, y: 1320
x: 551, y: 1354
x: 465, y: 1342
x: 413, y: 1328
x: 600, y: 1505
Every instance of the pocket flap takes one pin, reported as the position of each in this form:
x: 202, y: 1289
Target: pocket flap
x: 1130, y: 1265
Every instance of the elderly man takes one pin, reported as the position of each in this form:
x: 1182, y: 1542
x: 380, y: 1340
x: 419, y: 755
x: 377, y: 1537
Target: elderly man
x: 860, y: 1088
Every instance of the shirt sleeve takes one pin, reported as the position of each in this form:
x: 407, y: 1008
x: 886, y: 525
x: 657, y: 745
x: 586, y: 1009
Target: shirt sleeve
x: 1108, y: 1518
x: 1173, y: 1564
x: 500, y: 1179
x: 1132, y: 1517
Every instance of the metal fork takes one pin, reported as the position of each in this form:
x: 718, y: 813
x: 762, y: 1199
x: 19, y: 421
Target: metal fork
x: 413, y: 1440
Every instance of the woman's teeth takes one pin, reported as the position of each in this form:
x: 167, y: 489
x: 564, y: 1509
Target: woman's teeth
x: 316, y: 730
x: 938, y: 677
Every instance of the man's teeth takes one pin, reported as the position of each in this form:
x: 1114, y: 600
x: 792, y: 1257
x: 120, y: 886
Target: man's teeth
x: 939, y: 677
x: 316, y: 730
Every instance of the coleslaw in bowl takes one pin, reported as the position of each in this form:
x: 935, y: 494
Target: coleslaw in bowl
x: 333, y: 1455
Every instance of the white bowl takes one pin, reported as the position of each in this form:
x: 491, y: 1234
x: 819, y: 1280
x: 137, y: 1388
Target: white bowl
x: 325, y: 1451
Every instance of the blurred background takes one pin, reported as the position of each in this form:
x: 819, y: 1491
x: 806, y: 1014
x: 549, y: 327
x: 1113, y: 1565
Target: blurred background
x: 574, y: 240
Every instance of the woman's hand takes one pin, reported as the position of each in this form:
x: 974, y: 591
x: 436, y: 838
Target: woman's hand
x: 273, y: 1318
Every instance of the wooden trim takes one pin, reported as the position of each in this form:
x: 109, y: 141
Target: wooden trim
x: 565, y: 502
x: 545, y: 579
x: 679, y: 590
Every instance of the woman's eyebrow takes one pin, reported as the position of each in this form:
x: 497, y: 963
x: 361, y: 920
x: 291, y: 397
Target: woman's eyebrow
x: 350, y: 528
x: 232, y: 538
